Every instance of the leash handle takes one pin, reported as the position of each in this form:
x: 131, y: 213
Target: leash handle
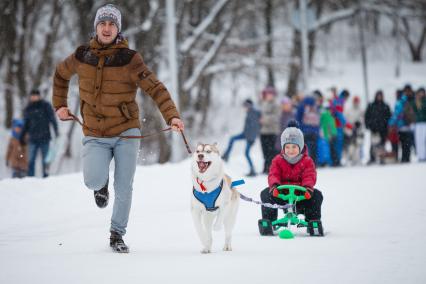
x: 186, y: 142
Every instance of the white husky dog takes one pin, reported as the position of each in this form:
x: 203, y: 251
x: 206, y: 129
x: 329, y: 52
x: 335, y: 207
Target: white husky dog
x: 212, y: 198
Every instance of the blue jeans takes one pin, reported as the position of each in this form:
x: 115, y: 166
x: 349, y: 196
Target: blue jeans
x: 247, y: 152
x: 97, y: 156
x: 33, y: 149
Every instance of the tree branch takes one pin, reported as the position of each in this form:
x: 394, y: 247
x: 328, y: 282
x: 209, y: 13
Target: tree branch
x: 190, y: 41
x: 190, y: 82
x: 147, y: 23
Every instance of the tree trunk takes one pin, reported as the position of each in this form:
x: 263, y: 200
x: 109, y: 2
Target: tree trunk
x: 268, y: 29
x: 8, y: 45
x: 203, y: 102
x: 416, y: 50
x: 46, y: 62
x: 296, y: 59
x: 85, y: 22
x: 8, y: 93
x: 26, y: 29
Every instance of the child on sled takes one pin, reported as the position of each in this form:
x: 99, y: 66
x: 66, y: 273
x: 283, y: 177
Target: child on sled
x: 292, y: 166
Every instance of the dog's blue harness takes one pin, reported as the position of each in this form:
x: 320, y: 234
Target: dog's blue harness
x: 208, y: 198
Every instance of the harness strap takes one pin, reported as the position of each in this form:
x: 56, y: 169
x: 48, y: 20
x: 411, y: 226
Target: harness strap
x: 208, y: 199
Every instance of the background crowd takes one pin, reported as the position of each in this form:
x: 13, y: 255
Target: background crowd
x: 335, y: 126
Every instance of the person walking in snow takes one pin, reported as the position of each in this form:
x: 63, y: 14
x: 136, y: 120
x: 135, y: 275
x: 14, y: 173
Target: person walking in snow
x: 109, y: 76
x: 377, y: 117
x: 250, y: 133
x: 355, y: 137
x: 420, y: 125
x: 403, y: 118
x: 327, y: 133
x: 38, y: 117
x: 336, y: 108
x: 270, y: 125
x: 16, y: 155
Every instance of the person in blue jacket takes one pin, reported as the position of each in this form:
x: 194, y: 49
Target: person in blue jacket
x: 402, y: 118
x: 250, y: 133
x: 336, y: 107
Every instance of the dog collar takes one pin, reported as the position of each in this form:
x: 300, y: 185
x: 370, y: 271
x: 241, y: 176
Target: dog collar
x: 208, y: 198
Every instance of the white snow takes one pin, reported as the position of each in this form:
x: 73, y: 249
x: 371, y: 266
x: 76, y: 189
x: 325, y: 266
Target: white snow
x: 52, y: 232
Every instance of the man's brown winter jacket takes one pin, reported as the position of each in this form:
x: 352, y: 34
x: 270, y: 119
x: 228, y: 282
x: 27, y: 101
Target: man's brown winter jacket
x: 108, y: 81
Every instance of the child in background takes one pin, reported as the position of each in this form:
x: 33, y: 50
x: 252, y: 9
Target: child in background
x: 292, y: 166
x: 16, y: 156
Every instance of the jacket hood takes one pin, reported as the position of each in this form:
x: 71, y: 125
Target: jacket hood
x: 17, y: 123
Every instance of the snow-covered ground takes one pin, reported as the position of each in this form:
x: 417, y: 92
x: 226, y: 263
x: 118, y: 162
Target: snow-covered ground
x: 52, y: 232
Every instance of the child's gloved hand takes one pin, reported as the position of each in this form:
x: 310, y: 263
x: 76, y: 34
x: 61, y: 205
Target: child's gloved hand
x: 309, y: 192
x: 274, y: 190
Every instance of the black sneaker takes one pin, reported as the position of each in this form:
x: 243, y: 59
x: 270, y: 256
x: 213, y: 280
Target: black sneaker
x: 117, y: 244
x: 102, y: 196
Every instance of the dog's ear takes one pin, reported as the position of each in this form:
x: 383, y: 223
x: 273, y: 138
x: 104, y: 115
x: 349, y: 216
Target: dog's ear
x: 216, y: 147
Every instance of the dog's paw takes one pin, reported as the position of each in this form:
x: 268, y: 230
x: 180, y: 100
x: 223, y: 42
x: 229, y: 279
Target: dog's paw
x: 205, y: 251
x: 227, y: 247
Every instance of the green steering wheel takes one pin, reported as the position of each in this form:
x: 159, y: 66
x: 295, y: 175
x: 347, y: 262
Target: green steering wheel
x: 291, y: 197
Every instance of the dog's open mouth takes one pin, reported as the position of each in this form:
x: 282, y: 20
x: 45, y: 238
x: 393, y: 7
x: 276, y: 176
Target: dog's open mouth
x: 203, y: 166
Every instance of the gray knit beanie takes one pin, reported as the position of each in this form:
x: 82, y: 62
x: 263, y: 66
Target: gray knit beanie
x: 292, y: 135
x: 108, y: 13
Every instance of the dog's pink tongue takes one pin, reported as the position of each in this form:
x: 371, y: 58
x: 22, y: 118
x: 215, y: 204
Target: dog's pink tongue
x: 202, y: 166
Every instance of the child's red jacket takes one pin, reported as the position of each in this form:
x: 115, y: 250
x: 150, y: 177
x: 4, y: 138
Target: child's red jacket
x: 302, y: 173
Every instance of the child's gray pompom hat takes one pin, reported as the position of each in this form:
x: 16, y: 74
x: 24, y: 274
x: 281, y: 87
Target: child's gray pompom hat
x: 292, y: 135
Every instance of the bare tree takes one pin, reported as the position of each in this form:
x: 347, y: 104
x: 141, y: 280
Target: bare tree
x: 416, y: 47
x: 268, y: 32
x: 7, y: 49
